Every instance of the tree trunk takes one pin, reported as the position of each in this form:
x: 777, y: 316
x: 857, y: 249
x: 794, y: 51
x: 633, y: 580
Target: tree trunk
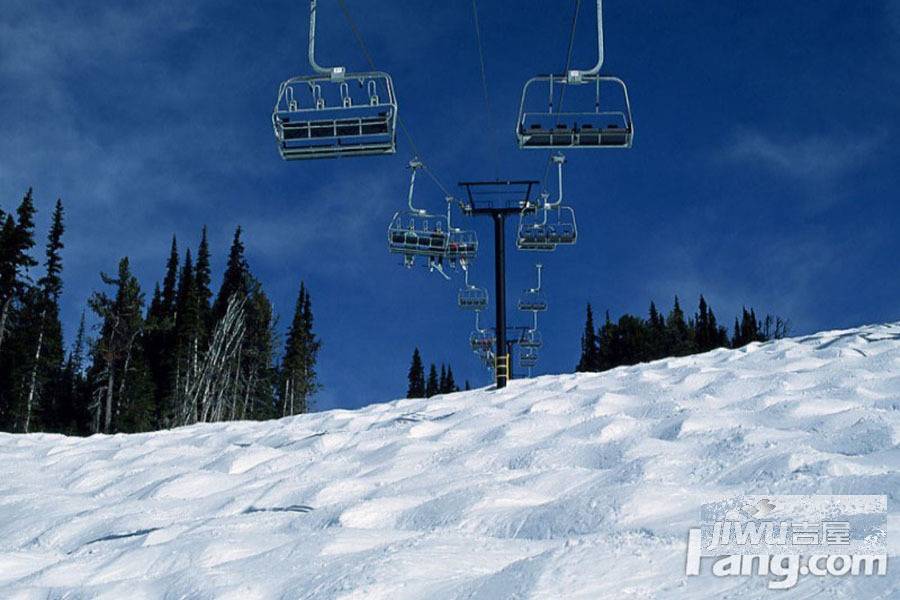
x: 34, y: 368
x: 110, y: 381
x: 128, y: 350
x: 3, y: 316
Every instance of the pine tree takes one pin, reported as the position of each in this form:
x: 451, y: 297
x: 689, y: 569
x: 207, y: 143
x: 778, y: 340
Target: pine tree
x: 8, y: 271
x: 679, y: 336
x: 416, y: 377
x: 718, y: 335
x: 155, y: 311
x: 203, y: 281
x: 170, y: 283
x: 606, y: 355
x: 701, y: 327
x: 74, y: 417
x: 42, y: 327
x: 311, y: 352
x: 432, y: 387
x: 755, y: 327
x: 75, y: 362
x: 590, y: 350
x: 186, y: 334
x: 121, y: 382
x: 16, y: 241
x: 747, y: 331
x: 442, y: 379
x: 468, y: 386
x: 235, y: 279
x: 160, y: 341
x: 450, y: 383
x: 657, y: 333
x: 257, y: 357
x: 630, y: 341
x: 298, y: 373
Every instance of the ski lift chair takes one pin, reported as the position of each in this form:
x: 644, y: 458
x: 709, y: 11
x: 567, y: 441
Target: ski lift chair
x: 462, y: 245
x: 415, y: 232
x: 543, y: 232
x: 471, y: 297
x: 606, y: 124
x: 487, y: 359
x: 548, y: 233
x: 531, y: 339
x: 563, y: 231
x: 532, y: 231
x: 528, y: 359
x: 544, y: 129
x: 334, y: 113
x: 533, y: 299
x: 482, y: 341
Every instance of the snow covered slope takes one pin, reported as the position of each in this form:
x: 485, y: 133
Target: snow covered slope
x: 572, y: 486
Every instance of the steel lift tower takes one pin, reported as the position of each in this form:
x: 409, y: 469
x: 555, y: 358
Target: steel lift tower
x: 498, y: 200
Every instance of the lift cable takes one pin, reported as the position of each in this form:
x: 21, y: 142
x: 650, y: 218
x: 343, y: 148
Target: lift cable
x: 562, y: 95
x: 365, y: 50
x: 484, y: 85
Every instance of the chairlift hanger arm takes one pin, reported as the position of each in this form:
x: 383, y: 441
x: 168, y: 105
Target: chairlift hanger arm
x: 577, y: 75
x: 539, y: 268
x: 450, y: 200
x: 596, y: 69
x: 559, y: 159
x: 334, y: 72
x: 414, y: 165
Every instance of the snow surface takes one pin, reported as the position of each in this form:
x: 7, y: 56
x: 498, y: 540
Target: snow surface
x: 571, y: 486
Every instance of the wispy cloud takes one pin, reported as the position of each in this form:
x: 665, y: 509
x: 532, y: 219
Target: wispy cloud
x: 814, y: 159
x: 892, y: 8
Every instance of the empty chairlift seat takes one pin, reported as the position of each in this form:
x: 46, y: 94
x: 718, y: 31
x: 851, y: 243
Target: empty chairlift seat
x: 603, y: 121
x: 328, y: 116
x: 472, y: 298
x: 534, y: 237
x: 531, y: 338
x: 547, y: 229
x: 532, y: 301
x: 561, y: 227
x: 528, y: 359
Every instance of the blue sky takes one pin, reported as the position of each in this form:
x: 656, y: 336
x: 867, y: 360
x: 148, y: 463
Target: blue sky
x: 763, y: 170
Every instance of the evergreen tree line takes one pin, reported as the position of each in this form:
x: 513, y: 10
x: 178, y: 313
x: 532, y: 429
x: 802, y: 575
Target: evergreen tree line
x: 633, y: 340
x: 434, y: 384
x: 188, y: 356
